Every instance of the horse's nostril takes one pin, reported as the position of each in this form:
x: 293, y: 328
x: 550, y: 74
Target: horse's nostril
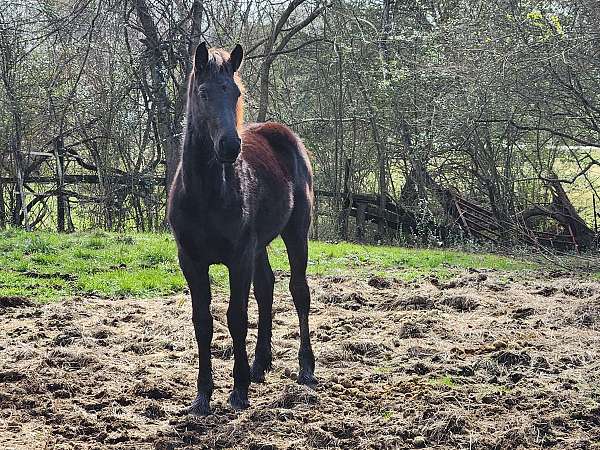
x: 229, y: 148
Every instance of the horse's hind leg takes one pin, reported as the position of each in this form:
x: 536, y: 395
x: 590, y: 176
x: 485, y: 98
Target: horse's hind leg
x: 264, y: 281
x: 295, y: 236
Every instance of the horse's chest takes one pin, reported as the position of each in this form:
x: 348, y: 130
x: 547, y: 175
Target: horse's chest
x: 212, y: 233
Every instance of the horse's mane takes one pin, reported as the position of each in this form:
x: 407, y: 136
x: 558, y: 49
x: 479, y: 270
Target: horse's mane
x: 239, y: 109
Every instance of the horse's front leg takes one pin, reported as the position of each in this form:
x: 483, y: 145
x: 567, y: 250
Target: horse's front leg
x: 196, y: 274
x: 240, y: 277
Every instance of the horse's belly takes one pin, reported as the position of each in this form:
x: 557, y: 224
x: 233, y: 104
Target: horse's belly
x: 272, y: 216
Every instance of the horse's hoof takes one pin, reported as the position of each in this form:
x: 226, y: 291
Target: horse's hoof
x: 238, y: 399
x: 257, y: 373
x: 200, y: 407
x: 307, y: 378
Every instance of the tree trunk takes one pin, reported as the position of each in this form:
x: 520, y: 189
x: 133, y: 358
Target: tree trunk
x: 60, y: 184
x: 272, y: 47
x: 159, y: 91
x: 562, y: 210
x: 21, y: 208
x: 2, y: 207
x: 263, y: 105
x: 360, y: 222
x: 381, y: 151
x: 346, y: 200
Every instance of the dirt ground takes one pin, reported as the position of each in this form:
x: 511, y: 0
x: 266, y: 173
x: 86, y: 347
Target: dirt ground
x: 481, y: 361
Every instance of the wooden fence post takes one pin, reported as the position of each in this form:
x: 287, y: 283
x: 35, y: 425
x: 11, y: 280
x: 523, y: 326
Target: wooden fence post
x: 360, y: 221
x: 345, y: 213
x: 60, y: 185
x: 21, y: 191
x: 315, y: 220
x: 2, y: 207
x: 595, y: 214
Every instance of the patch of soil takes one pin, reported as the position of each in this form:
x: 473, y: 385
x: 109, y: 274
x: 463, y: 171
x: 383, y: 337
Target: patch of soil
x: 51, y: 275
x: 352, y: 301
x: 67, y: 337
x: 523, y: 313
x: 469, y: 280
x: 410, y: 302
x: 588, y: 315
x: 14, y: 302
x: 546, y: 291
x: 508, y: 358
x: 380, y: 282
x: 579, y: 290
x: 473, y: 362
x: 410, y: 329
x: 293, y: 395
x: 460, y: 302
x: 10, y: 376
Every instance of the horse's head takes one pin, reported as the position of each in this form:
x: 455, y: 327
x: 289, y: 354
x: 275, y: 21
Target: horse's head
x: 216, y: 98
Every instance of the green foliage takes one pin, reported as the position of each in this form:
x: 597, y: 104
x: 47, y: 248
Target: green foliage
x: 95, y: 243
x: 556, y: 23
x: 387, y: 415
x: 445, y: 380
x: 548, y: 25
x: 36, y: 244
x: 535, y: 16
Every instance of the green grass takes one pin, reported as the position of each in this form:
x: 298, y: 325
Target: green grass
x: 387, y: 415
x: 47, y: 266
x: 445, y: 380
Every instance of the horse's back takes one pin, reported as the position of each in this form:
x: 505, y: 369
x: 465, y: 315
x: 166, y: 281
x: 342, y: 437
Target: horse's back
x: 275, y: 149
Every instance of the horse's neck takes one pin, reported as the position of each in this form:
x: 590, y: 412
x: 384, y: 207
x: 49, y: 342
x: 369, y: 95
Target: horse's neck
x: 201, y: 172
x: 197, y: 149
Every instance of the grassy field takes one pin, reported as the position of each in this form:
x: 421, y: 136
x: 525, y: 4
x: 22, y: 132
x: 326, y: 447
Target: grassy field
x: 49, y: 266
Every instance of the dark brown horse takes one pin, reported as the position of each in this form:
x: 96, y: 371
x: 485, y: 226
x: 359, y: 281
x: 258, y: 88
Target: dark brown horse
x: 237, y: 188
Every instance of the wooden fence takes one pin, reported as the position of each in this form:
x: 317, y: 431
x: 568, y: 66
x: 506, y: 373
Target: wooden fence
x: 32, y: 188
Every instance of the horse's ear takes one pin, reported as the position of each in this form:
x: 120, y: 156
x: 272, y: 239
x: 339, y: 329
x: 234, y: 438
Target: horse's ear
x: 236, y: 56
x: 200, y: 57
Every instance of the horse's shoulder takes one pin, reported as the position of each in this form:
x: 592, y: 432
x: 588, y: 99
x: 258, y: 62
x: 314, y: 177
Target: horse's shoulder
x: 269, y: 147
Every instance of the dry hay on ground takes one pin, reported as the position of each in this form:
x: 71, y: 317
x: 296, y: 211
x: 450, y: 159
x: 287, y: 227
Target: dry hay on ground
x: 482, y: 362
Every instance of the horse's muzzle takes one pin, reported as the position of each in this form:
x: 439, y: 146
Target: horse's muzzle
x: 229, y: 149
